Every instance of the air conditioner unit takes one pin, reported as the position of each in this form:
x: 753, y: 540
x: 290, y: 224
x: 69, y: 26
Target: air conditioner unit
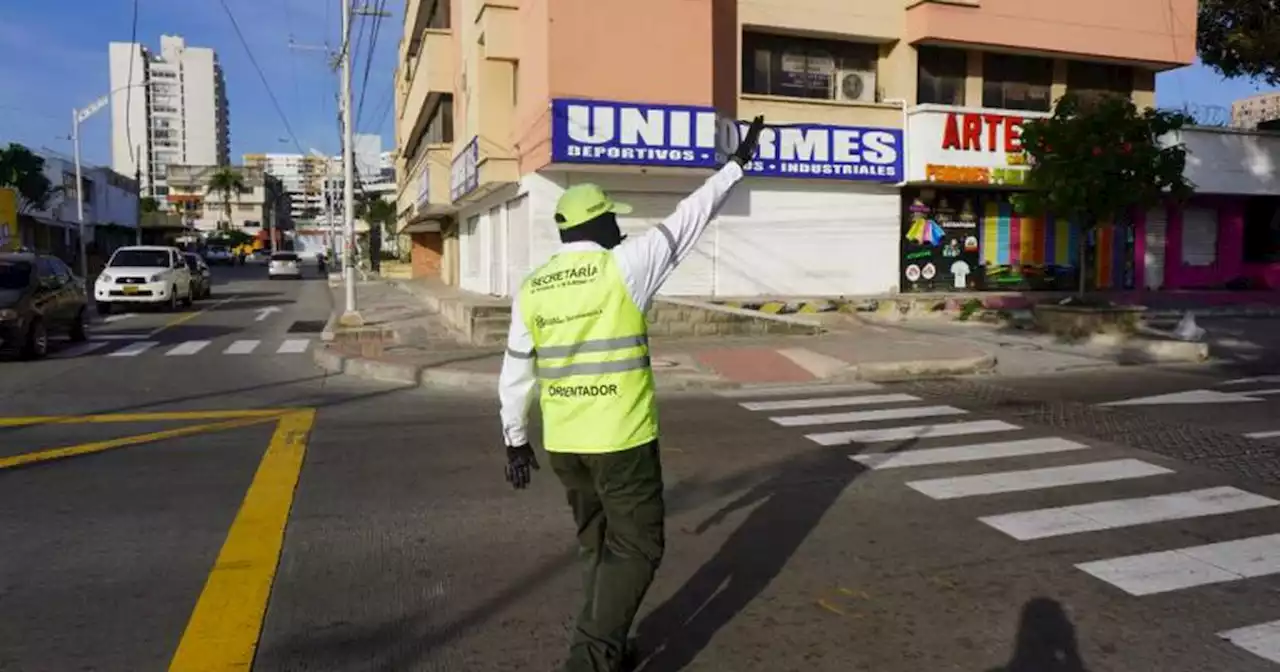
x: 855, y: 86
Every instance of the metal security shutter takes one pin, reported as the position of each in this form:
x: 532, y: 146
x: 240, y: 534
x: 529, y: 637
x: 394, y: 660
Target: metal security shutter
x: 471, y: 254
x: 518, y: 264
x: 1153, y: 263
x: 496, y: 263
x: 1199, y: 236
x: 695, y: 276
x: 815, y: 240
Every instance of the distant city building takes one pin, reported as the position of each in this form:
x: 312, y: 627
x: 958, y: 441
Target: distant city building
x: 1256, y: 109
x: 180, y: 118
x: 260, y: 205
x: 303, y: 179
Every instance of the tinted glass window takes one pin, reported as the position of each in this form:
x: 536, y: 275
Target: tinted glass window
x: 48, y: 272
x: 192, y: 263
x: 143, y: 258
x: 15, y: 274
x: 284, y: 256
x: 64, y: 273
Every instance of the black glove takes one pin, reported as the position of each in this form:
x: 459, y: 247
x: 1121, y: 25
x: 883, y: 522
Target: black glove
x: 747, y: 148
x: 519, y: 460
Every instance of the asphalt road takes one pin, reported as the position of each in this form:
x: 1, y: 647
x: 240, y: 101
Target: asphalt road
x: 208, y: 510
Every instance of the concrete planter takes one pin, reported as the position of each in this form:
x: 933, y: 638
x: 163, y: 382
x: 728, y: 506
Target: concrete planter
x: 1075, y: 322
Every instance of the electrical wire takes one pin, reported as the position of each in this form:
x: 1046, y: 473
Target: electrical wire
x: 375, y: 29
x: 128, y: 92
x: 254, y: 61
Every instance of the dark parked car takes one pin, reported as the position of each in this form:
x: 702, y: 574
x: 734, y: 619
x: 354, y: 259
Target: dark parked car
x: 39, y: 295
x: 201, y: 276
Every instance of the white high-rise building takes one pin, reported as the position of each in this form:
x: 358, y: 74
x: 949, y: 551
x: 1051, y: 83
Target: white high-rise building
x: 180, y: 118
x: 303, y: 177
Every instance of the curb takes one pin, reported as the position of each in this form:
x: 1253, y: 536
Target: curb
x: 924, y: 368
x: 453, y: 379
x: 783, y: 307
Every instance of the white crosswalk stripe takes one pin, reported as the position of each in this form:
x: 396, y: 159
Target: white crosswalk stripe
x: 1035, y: 479
x: 1163, y: 571
x: 241, y: 348
x: 133, y: 349
x: 879, y: 417
x: 1097, y: 516
x: 293, y: 346
x: 115, y: 345
x: 969, y: 453
x: 187, y: 348
x: 1262, y: 640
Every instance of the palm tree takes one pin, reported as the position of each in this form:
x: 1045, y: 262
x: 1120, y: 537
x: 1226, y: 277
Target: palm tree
x: 379, y: 214
x: 228, y: 182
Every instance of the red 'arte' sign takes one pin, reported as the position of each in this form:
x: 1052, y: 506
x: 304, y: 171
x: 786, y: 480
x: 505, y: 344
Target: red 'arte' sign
x: 982, y: 132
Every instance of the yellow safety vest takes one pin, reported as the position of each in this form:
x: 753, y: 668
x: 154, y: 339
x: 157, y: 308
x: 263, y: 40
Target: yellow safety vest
x: 592, y: 350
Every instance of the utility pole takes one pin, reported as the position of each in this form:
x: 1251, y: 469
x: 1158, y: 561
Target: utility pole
x: 351, y: 317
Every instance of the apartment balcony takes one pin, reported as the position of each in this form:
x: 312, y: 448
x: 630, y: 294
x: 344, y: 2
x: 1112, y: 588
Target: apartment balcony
x: 1154, y: 33
x: 431, y: 74
x: 421, y: 15
x: 481, y: 168
x: 498, y: 25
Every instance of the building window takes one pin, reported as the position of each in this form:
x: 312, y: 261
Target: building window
x: 439, y: 16
x: 940, y: 75
x: 1091, y: 81
x: 1262, y: 229
x: 797, y: 67
x: 1017, y: 82
x: 440, y: 124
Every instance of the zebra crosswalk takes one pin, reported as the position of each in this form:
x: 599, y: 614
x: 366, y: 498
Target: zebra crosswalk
x: 115, y: 349
x: 878, y: 421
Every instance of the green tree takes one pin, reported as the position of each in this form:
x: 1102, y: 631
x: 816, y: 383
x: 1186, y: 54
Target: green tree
x: 148, y: 204
x: 1240, y: 38
x: 23, y: 170
x: 227, y: 182
x: 1101, y: 160
x: 377, y: 211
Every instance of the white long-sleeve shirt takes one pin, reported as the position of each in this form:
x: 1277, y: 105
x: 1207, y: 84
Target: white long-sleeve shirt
x: 646, y: 261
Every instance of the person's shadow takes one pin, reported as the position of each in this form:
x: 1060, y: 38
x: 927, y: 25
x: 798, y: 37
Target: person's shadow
x: 1046, y: 640
x: 792, y: 501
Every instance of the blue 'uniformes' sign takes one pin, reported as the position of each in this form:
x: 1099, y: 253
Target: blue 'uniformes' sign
x: 605, y: 132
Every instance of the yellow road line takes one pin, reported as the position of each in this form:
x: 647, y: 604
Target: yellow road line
x: 226, y: 623
x: 139, y: 417
x: 187, y: 317
x: 99, y: 446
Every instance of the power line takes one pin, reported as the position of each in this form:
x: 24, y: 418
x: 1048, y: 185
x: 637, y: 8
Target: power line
x: 368, y: 62
x: 128, y: 92
x: 254, y: 61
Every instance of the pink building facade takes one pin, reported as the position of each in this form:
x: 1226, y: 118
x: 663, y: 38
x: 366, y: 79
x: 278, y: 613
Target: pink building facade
x: 527, y: 97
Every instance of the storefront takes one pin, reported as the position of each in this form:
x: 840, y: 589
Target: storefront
x: 1228, y: 234
x: 959, y: 230
x: 818, y: 216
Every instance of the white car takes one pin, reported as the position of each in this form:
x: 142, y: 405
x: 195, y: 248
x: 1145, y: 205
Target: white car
x: 284, y: 265
x: 144, y: 275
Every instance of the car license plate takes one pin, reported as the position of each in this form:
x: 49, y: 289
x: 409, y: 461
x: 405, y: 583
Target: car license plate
x: 130, y: 289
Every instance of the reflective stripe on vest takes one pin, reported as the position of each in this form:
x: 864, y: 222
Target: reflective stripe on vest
x: 592, y: 352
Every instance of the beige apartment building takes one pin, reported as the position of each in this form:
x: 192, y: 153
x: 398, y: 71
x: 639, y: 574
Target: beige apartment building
x: 880, y: 110
x: 260, y: 205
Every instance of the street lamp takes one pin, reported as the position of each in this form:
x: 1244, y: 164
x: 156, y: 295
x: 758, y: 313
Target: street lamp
x: 78, y: 116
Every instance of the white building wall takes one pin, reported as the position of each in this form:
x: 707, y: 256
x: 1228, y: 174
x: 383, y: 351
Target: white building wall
x: 128, y: 108
x: 771, y: 238
x: 197, y: 125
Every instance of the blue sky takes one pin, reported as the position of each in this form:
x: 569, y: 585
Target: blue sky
x: 55, y: 59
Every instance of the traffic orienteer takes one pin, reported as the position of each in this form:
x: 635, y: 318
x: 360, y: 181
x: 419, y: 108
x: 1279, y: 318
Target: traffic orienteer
x: 578, y: 332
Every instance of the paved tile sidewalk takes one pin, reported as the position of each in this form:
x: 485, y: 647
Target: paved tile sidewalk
x: 410, y: 344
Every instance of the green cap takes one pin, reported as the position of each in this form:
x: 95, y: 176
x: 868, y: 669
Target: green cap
x: 582, y: 203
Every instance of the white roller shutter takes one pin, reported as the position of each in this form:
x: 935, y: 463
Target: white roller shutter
x: 1154, y: 253
x: 1199, y: 236
x: 518, y: 265
x: 694, y: 277
x: 808, y: 240
x: 472, y: 255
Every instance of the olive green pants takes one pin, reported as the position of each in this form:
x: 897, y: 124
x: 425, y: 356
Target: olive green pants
x: 617, y: 504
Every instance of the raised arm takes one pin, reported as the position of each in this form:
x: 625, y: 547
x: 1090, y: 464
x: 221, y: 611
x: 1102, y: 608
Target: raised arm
x: 649, y: 259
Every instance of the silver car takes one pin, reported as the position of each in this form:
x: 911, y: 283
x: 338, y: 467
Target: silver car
x: 284, y: 265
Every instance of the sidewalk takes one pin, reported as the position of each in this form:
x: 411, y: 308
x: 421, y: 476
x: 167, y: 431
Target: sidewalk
x: 404, y: 341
